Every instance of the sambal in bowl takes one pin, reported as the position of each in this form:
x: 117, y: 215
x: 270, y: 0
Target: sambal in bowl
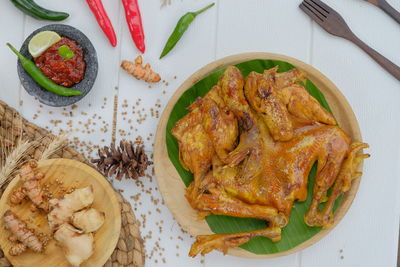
x: 70, y: 62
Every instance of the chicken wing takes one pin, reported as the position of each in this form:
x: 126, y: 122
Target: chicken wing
x: 221, y: 126
x: 302, y: 105
x: 261, y: 93
x: 195, y: 147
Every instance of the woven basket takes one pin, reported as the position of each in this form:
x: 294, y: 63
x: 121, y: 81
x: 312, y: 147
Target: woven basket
x: 130, y: 248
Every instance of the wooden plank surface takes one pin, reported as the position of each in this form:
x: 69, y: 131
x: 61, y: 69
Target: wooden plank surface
x: 8, y: 75
x: 367, y: 234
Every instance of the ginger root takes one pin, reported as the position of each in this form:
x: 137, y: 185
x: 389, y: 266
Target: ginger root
x: 77, y: 247
x: 31, y: 187
x: 77, y: 243
x: 139, y: 72
x: 22, y: 233
x: 63, y: 208
x: 89, y: 220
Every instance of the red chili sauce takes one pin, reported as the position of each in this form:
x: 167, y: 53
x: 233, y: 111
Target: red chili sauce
x: 65, y: 72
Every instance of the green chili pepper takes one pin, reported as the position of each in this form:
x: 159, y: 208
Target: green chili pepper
x: 180, y: 28
x: 65, y: 52
x: 38, y: 76
x: 30, y: 8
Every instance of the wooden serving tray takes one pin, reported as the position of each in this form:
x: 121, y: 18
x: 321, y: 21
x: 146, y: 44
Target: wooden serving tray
x: 72, y: 174
x: 172, y: 187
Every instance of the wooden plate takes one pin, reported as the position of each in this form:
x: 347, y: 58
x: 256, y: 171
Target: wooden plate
x: 173, y: 189
x: 73, y: 174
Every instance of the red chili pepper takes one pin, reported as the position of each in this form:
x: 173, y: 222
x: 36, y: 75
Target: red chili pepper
x: 132, y: 14
x: 102, y: 19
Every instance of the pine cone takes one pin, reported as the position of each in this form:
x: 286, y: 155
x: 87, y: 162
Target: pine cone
x: 129, y: 160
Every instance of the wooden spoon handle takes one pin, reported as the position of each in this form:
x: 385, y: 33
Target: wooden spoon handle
x: 385, y: 6
x: 381, y: 60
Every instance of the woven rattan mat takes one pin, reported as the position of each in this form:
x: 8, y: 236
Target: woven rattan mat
x: 130, y: 248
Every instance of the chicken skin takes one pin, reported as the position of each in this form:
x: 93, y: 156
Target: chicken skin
x: 251, y: 144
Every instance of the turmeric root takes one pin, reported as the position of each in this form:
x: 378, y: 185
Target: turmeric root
x: 18, y: 195
x: 88, y: 220
x: 63, y: 208
x: 12, y: 238
x: 17, y: 249
x: 139, y: 72
x: 31, y: 186
x: 22, y: 233
x: 77, y: 247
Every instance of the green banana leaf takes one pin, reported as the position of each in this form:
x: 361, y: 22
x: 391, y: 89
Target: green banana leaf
x: 296, y: 232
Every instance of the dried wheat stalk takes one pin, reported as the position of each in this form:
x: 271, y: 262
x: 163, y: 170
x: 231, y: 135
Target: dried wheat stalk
x: 14, y: 160
x: 58, y: 143
x: 7, y: 137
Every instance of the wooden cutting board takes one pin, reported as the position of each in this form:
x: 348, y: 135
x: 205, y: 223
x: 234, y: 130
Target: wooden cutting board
x: 72, y: 174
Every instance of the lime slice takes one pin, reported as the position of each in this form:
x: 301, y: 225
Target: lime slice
x: 41, y: 41
x: 65, y: 52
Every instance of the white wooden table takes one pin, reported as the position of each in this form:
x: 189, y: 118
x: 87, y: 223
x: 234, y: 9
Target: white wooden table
x: 368, y: 234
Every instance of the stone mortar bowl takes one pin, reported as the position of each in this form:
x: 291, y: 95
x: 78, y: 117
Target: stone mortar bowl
x: 89, y: 55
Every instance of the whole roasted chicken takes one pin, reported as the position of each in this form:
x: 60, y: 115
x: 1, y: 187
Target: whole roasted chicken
x: 251, y: 143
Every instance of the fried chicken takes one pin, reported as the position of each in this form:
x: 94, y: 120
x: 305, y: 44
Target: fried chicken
x: 251, y: 144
